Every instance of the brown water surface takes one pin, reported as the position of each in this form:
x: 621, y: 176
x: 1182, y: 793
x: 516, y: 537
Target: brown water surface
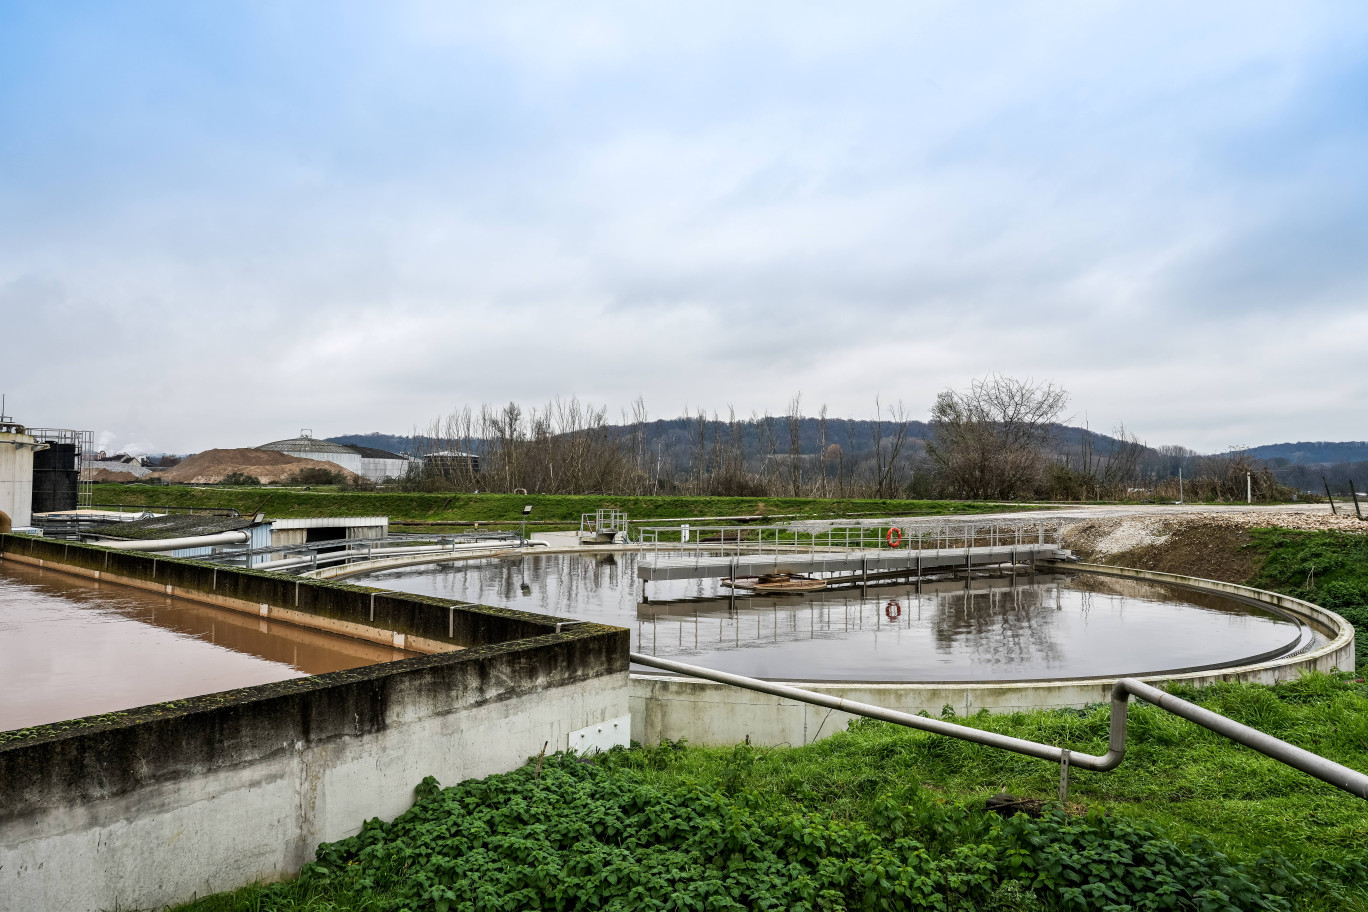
x: 72, y: 647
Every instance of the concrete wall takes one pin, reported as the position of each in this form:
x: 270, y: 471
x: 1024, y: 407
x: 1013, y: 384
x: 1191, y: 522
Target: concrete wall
x: 703, y: 712
x: 168, y: 802
x: 286, y: 537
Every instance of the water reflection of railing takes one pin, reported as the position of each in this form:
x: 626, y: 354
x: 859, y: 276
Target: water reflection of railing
x: 997, y: 622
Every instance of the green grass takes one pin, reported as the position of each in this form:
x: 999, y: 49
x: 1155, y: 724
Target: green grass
x: 1327, y: 568
x: 884, y: 817
x: 293, y: 503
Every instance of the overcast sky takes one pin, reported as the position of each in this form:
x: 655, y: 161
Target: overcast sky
x: 222, y: 222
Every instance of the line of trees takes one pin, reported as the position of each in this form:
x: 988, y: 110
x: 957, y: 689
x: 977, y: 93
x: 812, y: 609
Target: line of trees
x: 1000, y: 439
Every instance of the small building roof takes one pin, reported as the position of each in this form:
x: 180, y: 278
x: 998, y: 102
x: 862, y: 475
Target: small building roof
x: 330, y: 522
x: 174, y: 525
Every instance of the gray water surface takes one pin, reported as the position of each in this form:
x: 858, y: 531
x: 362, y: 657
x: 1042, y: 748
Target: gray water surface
x: 999, y: 629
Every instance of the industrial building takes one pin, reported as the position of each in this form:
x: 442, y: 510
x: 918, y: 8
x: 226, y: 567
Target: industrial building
x: 254, y: 540
x: 451, y: 465
x: 368, y: 462
x: 40, y: 472
x: 183, y: 534
x: 322, y: 529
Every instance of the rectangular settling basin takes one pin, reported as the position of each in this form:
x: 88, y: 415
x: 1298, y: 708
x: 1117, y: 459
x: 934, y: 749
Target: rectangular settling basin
x: 166, y: 802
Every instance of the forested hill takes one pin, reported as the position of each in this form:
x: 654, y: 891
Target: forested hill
x: 856, y: 436
x: 759, y: 436
x: 1313, y: 452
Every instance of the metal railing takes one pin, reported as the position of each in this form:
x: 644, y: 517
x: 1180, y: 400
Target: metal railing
x: 604, y: 522
x: 310, y: 556
x: 849, y: 535
x: 1351, y: 781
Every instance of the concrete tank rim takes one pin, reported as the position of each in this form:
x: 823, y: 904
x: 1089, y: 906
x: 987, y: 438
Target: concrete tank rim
x: 1340, y: 634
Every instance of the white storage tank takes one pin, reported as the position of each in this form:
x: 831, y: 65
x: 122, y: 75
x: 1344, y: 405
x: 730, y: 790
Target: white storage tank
x: 16, y: 475
x: 305, y: 446
x: 368, y: 462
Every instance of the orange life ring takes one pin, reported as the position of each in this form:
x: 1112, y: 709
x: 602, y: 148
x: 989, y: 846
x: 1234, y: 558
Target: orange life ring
x: 894, y: 536
x: 892, y: 610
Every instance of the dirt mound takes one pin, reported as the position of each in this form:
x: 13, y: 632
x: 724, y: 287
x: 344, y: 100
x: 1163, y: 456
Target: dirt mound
x: 1206, y: 545
x: 211, y: 466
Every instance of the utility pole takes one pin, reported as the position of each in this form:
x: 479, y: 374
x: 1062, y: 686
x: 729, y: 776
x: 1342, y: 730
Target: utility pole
x: 1249, y: 487
x: 1180, y: 484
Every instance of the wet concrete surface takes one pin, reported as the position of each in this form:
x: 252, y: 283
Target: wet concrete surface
x: 996, y: 629
x: 72, y: 647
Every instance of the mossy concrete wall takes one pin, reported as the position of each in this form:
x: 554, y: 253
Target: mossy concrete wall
x: 165, y: 803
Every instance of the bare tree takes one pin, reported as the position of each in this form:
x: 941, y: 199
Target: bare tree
x: 822, y: 448
x: 847, y: 477
x: 1107, y: 473
x: 770, y: 443
x: 989, y: 441
x: 794, y: 418
x: 886, y: 458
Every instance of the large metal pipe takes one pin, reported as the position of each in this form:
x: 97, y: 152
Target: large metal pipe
x: 1351, y: 781
x: 175, y: 544
x: 1341, y: 777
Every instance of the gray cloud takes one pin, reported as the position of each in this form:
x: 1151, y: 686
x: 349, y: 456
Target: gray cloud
x: 704, y: 208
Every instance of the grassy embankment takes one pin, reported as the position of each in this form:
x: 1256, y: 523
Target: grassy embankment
x: 882, y: 817
x: 563, y: 510
x: 1327, y: 568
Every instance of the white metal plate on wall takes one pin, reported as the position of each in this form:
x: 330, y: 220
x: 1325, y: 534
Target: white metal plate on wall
x: 595, y: 738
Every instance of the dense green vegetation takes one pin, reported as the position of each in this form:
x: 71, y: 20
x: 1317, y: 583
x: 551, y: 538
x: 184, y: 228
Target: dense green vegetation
x: 880, y: 817
x: 294, y: 503
x: 1327, y: 568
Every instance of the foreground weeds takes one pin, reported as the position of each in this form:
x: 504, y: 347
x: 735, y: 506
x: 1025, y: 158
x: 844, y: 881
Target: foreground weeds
x: 880, y: 817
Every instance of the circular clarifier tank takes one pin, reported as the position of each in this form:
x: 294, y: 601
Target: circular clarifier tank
x: 992, y: 629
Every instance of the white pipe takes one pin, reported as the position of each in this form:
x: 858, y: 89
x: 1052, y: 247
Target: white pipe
x: 333, y: 557
x: 175, y: 544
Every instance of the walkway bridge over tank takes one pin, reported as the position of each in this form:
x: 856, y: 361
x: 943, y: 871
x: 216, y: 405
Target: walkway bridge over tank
x: 846, y: 550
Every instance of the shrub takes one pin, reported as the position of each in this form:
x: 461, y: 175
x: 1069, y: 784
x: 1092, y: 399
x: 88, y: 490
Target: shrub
x: 316, y: 475
x: 583, y: 835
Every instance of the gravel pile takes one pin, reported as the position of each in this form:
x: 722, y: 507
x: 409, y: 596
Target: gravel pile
x: 1114, y: 535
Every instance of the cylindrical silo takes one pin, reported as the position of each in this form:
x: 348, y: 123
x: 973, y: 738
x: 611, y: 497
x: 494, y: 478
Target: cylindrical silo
x: 16, y: 475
